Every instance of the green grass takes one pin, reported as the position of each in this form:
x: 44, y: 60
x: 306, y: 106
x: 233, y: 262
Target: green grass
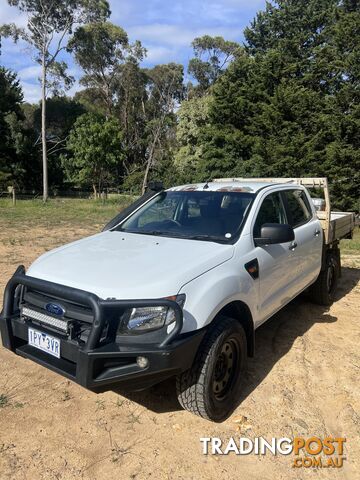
x: 351, y: 246
x: 60, y: 211
x: 4, y: 400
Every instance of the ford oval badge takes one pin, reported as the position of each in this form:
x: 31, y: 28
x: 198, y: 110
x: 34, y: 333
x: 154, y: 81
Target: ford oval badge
x: 55, y: 309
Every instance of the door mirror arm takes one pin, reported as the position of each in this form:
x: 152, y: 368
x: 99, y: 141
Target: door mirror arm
x: 260, y: 242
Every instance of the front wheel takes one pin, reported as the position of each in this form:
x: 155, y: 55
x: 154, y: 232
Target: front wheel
x: 211, y: 387
x: 323, y: 290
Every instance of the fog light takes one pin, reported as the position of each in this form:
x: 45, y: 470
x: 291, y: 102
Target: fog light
x: 143, y: 362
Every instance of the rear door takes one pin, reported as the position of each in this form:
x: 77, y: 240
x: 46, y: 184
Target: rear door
x: 308, y: 236
x: 276, y: 272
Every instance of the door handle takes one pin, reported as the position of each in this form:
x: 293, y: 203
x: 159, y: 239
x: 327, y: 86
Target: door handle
x: 317, y: 232
x: 292, y: 246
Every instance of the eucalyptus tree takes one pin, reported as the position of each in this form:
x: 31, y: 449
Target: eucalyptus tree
x: 101, y: 49
x: 48, y: 25
x: 131, y: 110
x: 115, y: 84
x: 165, y: 90
x: 212, y: 56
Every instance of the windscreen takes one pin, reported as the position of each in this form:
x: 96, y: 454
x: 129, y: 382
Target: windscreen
x: 199, y: 215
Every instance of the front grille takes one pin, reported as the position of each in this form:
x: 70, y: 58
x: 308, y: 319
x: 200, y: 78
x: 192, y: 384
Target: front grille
x: 73, y: 311
x: 75, y: 323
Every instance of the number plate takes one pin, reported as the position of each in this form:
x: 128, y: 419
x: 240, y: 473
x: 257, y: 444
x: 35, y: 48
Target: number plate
x: 44, y: 342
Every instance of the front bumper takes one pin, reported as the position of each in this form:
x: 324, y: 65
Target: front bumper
x: 98, y: 364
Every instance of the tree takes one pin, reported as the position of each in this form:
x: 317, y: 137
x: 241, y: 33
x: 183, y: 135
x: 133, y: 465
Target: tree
x: 212, y: 56
x: 11, y: 97
x: 100, y: 49
x: 289, y: 106
x: 165, y: 91
x: 193, y: 117
x: 48, y: 24
x: 89, y: 98
x: 131, y: 110
x: 319, y: 44
x: 115, y: 83
x: 19, y: 159
x: 62, y: 113
x: 95, y: 146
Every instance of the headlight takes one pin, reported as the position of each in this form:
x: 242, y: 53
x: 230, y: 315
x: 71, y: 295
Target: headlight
x: 146, y: 319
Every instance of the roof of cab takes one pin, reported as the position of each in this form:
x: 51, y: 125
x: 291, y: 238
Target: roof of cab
x: 220, y: 186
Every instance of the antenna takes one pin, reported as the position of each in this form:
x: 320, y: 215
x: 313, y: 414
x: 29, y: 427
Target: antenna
x: 206, y: 186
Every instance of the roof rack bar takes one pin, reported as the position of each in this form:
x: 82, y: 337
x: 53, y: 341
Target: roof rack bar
x: 306, y: 181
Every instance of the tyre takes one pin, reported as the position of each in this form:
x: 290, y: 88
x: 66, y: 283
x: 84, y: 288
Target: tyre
x: 323, y: 290
x: 211, y: 387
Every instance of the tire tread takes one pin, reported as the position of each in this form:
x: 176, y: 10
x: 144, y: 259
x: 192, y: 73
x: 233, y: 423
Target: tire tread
x: 318, y: 291
x: 190, y: 385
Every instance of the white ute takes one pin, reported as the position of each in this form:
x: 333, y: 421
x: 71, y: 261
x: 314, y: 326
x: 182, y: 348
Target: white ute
x: 176, y: 285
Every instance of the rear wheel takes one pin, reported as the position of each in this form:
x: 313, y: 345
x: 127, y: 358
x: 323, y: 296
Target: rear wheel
x: 323, y: 290
x: 211, y: 387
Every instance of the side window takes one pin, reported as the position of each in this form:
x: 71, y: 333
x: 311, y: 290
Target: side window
x: 271, y: 211
x: 298, y: 206
x: 193, y: 208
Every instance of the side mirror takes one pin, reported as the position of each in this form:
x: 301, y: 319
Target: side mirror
x: 274, y: 233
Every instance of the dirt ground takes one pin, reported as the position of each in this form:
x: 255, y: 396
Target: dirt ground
x: 304, y: 380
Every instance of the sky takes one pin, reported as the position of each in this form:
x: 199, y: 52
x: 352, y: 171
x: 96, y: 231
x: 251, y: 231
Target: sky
x: 166, y: 29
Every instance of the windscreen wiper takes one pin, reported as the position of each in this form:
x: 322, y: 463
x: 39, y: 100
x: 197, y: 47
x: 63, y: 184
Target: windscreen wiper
x: 147, y: 232
x: 211, y: 238
x: 175, y: 234
x: 155, y: 232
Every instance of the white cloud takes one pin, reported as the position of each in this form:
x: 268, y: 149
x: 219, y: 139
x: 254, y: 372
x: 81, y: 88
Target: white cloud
x: 161, y: 33
x: 32, y: 92
x: 178, y: 36
x: 122, y: 11
x: 75, y: 71
x: 255, y: 4
x: 18, y: 54
x: 158, y: 54
x: 165, y: 28
x: 11, y: 14
x: 32, y: 72
x: 75, y: 88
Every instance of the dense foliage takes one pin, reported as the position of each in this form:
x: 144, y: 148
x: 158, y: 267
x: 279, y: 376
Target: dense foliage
x: 95, y: 146
x: 289, y: 104
x: 285, y: 103
x: 16, y: 150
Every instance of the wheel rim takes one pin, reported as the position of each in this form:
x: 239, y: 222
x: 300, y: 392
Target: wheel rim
x: 225, y: 368
x: 330, y: 277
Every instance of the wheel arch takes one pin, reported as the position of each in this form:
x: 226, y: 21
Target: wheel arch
x: 241, y: 312
x: 333, y: 249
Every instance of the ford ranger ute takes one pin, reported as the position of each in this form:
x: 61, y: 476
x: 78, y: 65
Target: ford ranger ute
x: 176, y: 285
